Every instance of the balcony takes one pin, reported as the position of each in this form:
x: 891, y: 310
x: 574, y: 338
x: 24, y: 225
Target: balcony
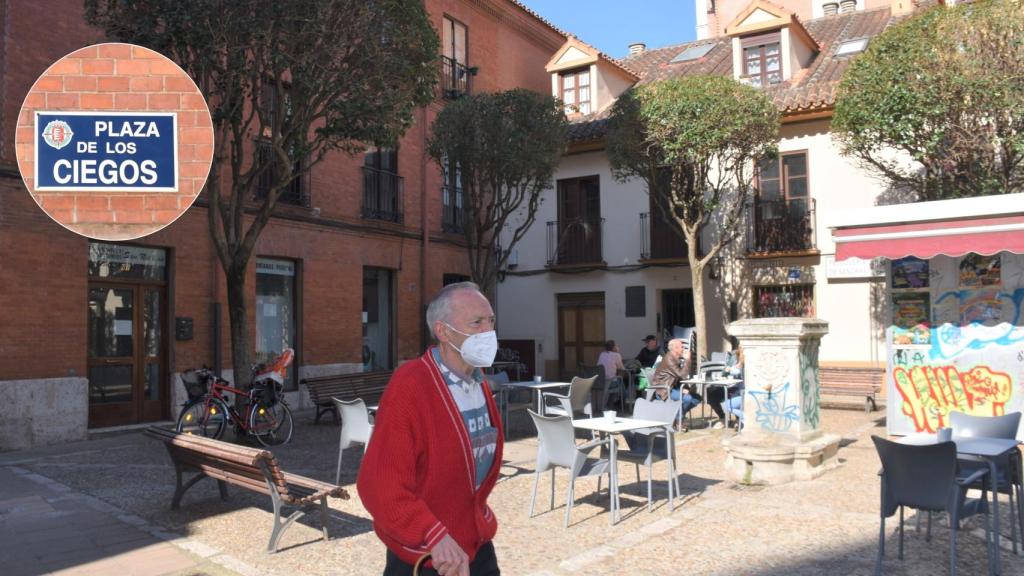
x: 574, y: 242
x: 781, y: 226
x: 455, y: 78
x: 382, y: 195
x: 294, y: 193
x: 658, y: 241
x: 453, y: 217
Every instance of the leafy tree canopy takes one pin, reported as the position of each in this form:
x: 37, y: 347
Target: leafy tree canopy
x: 695, y: 142
x: 504, y: 147
x: 935, y: 106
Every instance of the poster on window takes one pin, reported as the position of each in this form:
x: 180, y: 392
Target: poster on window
x: 910, y: 314
x: 977, y: 271
x: 909, y: 272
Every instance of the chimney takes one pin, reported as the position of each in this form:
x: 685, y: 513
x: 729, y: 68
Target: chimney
x: 637, y: 48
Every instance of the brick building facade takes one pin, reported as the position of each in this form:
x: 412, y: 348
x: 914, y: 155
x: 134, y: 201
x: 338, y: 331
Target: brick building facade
x: 95, y: 334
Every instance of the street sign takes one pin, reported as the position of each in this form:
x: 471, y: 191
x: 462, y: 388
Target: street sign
x: 110, y: 151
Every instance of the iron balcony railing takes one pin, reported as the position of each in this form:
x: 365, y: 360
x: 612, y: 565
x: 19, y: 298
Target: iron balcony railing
x: 575, y: 241
x: 455, y: 78
x: 658, y: 239
x: 781, y: 226
x: 382, y: 195
x: 295, y: 193
x: 453, y: 217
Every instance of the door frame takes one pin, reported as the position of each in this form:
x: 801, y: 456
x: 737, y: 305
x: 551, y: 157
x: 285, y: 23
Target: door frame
x: 136, y: 411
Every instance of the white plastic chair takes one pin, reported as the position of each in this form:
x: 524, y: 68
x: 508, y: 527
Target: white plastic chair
x: 557, y: 449
x: 641, y: 444
x: 355, y: 427
x: 720, y: 357
x: 577, y: 401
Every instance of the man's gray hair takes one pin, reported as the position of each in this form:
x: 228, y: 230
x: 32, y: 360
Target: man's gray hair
x: 440, y: 308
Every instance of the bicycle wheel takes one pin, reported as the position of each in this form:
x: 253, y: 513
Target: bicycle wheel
x: 271, y: 425
x: 203, y: 417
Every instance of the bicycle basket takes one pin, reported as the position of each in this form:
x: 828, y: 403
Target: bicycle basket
x: 196, y: 385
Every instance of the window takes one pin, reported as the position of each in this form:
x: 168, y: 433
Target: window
x: 576, y: 91
x: 692, y: 53
x: 455, y: 73
x: 762, y: 59
x: 783, y: 219
x: 636, y: 302
x: 295, y: 192
x: 790, y: 300
x: 852, y: 47
x: 448, y: 279
x: 378, y: 319
x: 576, y: 236
x: 452, y: 216
x: 276, y: 312
x: 382, y: 186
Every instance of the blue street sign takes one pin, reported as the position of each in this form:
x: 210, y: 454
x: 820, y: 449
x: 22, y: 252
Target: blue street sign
x: 115, y: 151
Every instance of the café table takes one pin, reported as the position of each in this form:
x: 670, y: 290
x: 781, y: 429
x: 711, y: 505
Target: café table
x: 536, y: 387
x: 725, y: 383
x: 617, y: 425
x: 976, y: 448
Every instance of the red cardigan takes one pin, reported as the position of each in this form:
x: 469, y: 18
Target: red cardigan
x: 417, y: 478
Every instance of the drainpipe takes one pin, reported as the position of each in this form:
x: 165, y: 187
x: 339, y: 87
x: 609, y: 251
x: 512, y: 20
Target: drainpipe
x: 424, y: 296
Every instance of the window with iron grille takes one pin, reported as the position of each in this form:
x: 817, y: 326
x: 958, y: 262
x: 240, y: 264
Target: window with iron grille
x: 576, y: 91
x: 453, y: 213
x: 455, y: 72
x: 295, y: 191
x: 788, y: 300
x: 382, y: 186
x: 762, y: 59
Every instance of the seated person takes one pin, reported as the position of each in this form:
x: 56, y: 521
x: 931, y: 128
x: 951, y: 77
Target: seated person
x: 649, y: 353
x: 733, y: 402
x: 675, y: 366
x: 611, y: 360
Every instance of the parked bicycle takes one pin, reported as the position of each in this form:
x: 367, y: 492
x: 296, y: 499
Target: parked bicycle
x: 210, y: 410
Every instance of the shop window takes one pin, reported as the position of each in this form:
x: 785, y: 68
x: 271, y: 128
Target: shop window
x: 785, y: 301
x: 276, y: 316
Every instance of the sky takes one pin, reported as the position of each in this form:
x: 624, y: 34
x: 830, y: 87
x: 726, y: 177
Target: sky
x: 612, y: 25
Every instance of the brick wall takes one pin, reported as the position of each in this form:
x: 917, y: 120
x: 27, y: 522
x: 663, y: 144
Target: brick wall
x: 43, y: 267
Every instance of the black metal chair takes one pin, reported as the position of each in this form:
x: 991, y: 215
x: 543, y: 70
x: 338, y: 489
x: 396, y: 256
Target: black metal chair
x: 1008, y: 468
x: 925, y: 478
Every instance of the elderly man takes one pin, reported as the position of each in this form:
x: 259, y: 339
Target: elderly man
x: 649, y: 353
x: 436, y: 447
x: 675, y: 366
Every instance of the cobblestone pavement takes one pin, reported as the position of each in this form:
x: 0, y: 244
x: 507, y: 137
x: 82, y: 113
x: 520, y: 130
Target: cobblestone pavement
x: 825, y: 526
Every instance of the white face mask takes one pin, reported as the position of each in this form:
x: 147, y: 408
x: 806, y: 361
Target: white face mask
x: 478, y: 350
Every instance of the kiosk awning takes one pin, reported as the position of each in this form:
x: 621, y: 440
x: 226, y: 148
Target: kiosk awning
x: 985, y: 225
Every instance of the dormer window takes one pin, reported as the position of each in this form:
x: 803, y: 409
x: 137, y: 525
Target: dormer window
x: 576, y: 90
x: 762, y: 59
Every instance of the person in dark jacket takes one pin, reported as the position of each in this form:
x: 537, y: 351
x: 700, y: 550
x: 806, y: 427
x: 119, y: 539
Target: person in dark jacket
x: 649, y: 353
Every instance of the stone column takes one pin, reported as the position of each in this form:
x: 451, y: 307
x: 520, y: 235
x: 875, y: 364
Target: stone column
x: 781, y: 439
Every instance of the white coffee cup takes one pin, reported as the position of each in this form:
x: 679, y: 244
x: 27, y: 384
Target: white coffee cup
x: 538, y: 379
x: 609, y: 415
x: 944, y: 434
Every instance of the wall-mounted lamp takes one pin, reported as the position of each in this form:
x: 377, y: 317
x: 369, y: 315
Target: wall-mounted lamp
x: 715, y: 268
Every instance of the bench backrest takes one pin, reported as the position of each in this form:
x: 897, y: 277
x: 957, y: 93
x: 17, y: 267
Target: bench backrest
x: 366, y: 385
x: 239, y: 465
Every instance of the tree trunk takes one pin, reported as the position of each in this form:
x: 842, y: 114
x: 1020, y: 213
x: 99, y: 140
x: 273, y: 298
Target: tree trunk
x: 239, y: 319
x: 699, y: 314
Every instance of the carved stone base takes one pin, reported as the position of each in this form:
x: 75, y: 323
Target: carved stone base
x: 774, y: 460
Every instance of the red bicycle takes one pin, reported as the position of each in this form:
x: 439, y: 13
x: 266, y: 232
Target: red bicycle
x: 266, y: 416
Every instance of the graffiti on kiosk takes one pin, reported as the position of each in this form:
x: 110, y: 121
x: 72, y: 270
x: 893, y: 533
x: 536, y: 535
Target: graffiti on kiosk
x: 929, y: 393
x: 988, y: 318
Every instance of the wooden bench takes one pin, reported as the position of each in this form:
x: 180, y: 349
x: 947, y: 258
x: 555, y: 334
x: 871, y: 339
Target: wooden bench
x: 859, y: 382
x: 366, y: 385
x: 249, y: 468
